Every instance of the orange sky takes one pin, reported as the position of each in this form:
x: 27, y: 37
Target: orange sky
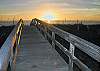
x: 71, y: 10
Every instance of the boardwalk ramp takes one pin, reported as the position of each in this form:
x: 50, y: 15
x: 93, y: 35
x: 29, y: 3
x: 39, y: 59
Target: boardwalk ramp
x: 36, y: 54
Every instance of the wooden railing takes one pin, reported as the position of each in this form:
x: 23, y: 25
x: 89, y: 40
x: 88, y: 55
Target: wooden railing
x: 8, y: 50
x: 80, y: 55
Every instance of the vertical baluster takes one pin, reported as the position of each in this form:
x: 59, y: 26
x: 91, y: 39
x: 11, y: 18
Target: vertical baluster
x: 72, y: 47
x: 45, y: 32
x: 53, y: 39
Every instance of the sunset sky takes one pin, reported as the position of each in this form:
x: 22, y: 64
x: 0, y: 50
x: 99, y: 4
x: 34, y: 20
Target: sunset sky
x: 60, y: 9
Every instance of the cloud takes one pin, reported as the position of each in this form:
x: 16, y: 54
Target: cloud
x: 71, y: 6
x: 62, y: 3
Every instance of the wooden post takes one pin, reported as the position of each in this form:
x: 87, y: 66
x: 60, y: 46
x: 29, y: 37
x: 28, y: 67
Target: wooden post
x: 45, y: 32
x: 72, y: 47
x: 53, y: 39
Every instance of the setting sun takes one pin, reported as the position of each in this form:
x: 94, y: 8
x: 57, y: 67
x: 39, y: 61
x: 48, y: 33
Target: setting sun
x: 49, y: 15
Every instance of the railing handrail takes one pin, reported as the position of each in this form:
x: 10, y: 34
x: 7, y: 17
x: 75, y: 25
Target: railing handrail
x: 6, y: 49
x: 92, y: 49
x: 89, y: 48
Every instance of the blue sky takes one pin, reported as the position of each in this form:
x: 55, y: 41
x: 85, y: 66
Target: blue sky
x: 18, y: 7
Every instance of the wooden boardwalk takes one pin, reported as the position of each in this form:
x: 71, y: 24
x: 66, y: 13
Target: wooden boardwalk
x: 36, y: 54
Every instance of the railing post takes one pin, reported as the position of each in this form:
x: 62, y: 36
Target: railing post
x: 45, y: 32
x: 53, y: 39
x: 72, y: 47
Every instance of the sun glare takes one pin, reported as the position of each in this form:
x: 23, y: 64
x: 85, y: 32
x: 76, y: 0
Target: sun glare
x: 48, y: 16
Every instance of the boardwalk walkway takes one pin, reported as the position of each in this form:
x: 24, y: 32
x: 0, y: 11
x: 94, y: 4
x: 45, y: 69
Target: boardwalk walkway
x: 36, y: 54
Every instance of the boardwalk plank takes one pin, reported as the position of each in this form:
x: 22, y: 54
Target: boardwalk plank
x: 36, y: 54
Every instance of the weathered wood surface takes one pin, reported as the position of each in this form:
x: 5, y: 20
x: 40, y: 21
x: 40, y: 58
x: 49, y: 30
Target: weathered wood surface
x: 36, y: 54
x: 83, y: 55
